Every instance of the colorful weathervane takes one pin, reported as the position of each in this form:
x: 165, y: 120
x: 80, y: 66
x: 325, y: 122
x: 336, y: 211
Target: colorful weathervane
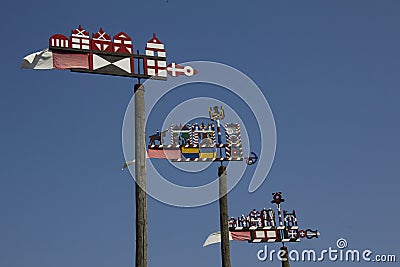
x: 261, y: 226
x: 101, y: 54
x: 199, y: 141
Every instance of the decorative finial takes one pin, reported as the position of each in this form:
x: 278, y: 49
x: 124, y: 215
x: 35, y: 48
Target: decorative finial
x: 277, y: 198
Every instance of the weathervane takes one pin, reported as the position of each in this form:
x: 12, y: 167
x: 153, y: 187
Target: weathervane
x: 199, y: 142
x: 101, y: 54
x: 261, y: 226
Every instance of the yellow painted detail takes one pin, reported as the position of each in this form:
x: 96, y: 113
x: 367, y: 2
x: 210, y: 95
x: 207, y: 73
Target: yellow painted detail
x: 190, y: 150
x: 208, y: 155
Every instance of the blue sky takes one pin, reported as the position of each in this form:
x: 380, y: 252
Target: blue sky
x: 330, y: 72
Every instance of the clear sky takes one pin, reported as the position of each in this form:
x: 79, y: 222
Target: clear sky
x: 329, y: 70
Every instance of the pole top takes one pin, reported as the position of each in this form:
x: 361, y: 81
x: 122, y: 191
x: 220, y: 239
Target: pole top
x: 138, y: 86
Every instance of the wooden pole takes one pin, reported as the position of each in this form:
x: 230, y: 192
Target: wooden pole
x: 223, y: 217
x: 140, y: 177
x: 285, y: 257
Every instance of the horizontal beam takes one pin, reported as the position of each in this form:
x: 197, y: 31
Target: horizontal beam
x: 205, y: 159
x: 192, y: 146
x: 140, y: 76
x: 82, y: 51
x: 238, y: 229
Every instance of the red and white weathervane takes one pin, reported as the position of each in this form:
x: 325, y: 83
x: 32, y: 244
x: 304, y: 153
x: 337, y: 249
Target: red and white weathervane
x: 262, y: 226
x: 101, y: 54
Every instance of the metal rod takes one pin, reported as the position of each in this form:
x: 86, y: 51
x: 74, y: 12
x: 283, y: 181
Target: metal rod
x: 219, y: 138
x: 140, y: 177
x: 138, y: 64
x: 223, y: 217
x: 280, y: 215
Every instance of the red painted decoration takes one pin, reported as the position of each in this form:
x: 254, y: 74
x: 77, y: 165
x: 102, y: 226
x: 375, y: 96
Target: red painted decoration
x: 123, y: 43
x: 101, y: 41
x: 152, y: 67
x: 59, y: 40
x: 155, y: 47
x: 80, y: 39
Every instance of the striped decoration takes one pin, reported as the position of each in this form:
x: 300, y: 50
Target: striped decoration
x: 195, y: 138
x: 233, y: 140
x: 191, y: 138
x: 206, y: 159
x: 171, y: 130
